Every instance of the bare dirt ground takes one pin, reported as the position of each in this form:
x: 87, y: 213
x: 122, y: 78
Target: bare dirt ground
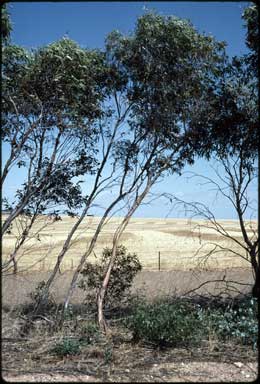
x: 16, y: 289
x: 174, y: 373
x: 134, y: 363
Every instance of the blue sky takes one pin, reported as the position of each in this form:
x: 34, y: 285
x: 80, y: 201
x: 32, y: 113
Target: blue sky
x: 40, y: 23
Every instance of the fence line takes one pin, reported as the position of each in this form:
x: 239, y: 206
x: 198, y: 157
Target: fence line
x: 160, y: 261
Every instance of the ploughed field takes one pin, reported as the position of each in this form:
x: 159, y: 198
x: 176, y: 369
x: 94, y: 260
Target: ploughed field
x: 182, y: 243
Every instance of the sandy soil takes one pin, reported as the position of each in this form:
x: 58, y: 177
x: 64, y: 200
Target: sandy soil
x: 16, y: 289
x: 194, y: 371
x: 181, y: 373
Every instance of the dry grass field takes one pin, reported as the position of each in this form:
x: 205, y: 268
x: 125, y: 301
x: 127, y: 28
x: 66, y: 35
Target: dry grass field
x: 178, y: 241
x: 182, y: 243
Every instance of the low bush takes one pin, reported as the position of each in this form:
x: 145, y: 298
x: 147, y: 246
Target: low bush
x: 165, y: 324
x: 237, y: 321
x: 108, y: 353
x: 125, y: 268
x: 183, y: 323
x: 66, y: 347
x: 36, y: 296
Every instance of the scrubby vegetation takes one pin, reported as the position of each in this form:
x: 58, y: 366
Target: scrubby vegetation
x: 183, y: 322
x: 142, y: 330
x: 66, y: 347
x: 165, y: 322
x: 125, y: 268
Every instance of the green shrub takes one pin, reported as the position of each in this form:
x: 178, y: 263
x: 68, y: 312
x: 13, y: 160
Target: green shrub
x: 232, y: 321
x: 183, y: 323
x: 69, y: 313
x: 108, y: 353
x: 125, y: 268
x: 239, y: 322
x: 166, y: 324
x: 67, y: 347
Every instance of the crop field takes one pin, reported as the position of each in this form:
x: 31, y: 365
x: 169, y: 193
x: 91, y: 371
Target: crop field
x: 182, y: 243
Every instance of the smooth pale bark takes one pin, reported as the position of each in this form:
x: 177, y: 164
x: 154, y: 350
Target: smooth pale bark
x: 138, y: 178
x: 88, y: 252
x: 102, y: 291
x: 67, y: 243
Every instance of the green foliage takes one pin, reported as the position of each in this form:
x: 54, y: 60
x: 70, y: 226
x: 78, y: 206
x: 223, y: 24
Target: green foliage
x: 64, y: 79
x: 250, y: 15
x: 125, y: 268
x: 166, y: 324
x: 226, y: 123
x: 51, y: 97
x: 66, y: 347
x: 181, y: 322
x: 68, y: 78
x: 166, y: 64
x: 6, y: 26
x: 239, y: 322
x: 108, y: 353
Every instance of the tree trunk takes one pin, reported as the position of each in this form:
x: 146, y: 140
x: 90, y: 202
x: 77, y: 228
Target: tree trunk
x: 255, y: 265
x: 100, y: 303
x: 256, y: 287
x: 103, y: 289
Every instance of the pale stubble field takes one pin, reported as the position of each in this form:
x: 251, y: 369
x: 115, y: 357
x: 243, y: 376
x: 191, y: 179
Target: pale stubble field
x: 182, y: 243
x: 178, y: 241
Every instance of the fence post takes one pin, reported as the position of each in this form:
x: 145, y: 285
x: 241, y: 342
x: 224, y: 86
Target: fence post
x: 159, y: 260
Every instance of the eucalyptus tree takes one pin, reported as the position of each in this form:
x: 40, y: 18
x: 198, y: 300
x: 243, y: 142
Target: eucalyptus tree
x: 121, y: 117
x: 51, y: 98
x: 154, y: 75
x: 6, y: 26
x: 225, y: 127
x: 251, y: 17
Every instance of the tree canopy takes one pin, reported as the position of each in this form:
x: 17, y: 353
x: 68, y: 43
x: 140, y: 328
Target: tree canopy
x: 251, y: 17
x: 6, y: 26
x: 164, y: 65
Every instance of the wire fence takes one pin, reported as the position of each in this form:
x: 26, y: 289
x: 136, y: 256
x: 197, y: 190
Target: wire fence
x: 157, y: 261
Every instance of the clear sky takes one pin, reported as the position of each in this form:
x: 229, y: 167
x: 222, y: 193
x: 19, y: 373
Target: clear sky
x: 40, y: 23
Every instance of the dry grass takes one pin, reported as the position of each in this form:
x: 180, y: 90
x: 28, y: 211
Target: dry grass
x: 178, y: 241
x: 126, y: 362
